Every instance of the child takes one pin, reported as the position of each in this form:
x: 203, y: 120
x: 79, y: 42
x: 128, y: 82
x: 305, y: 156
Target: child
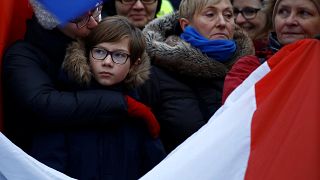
x: 112, y: 57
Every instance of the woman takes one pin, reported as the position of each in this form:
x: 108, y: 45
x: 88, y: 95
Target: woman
x: 191, y: 53
x: 254, y: 16
x: 139, y: 12
x: 293, y: 20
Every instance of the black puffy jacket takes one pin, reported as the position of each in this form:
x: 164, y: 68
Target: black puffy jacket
x: 37, y: 110
x: 185, y: 87
x: 33, y: 97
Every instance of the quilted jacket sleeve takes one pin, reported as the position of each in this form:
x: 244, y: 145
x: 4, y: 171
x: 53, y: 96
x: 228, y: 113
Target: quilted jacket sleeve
x: 30, y: 88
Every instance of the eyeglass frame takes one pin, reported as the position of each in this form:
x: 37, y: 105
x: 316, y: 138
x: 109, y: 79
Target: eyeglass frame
x: 236, y: 12
x: 135, y: 1
x: 83, y: 20
x: 107, y: 54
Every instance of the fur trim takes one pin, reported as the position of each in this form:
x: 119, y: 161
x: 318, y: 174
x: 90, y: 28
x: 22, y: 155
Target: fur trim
x: 169, y: 51
x: 138, y: 73
x: 76, y: 63
x: 78, y: 69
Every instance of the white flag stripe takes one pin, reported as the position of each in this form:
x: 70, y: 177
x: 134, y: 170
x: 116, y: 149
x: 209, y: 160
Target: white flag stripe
x: 223, y: 144
x: 17, y: 165
x: 254, y: 77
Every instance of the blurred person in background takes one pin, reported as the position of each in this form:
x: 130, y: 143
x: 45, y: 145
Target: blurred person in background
x: 293, y: 20
x: 139, y: 12
x: 255, y: 17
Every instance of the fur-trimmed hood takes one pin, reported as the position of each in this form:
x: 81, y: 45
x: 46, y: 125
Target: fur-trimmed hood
x: 78, y: 70
x: 167, y: 50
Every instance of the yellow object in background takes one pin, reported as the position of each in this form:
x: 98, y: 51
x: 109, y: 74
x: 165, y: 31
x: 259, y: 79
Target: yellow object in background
x: 166, y: 8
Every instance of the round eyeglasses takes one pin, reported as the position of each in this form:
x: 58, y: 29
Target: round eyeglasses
x: 247, y: 12
x: 83, y: 20
x: 117, y: 57
x: 131, y: 2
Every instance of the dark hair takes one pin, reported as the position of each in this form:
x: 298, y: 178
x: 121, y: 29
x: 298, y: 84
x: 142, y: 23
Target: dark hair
x: 109, y: 7
x: 113, y: 29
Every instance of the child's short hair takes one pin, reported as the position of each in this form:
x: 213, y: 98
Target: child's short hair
x: 113, y: 29
x: 188, y: 8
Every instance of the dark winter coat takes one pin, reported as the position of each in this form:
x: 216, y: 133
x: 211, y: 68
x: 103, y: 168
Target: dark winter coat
x: 185, y: 87
x: 125, y: 151
x: 38, y: 110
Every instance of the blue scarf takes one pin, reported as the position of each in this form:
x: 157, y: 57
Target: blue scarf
x: 219, y: 49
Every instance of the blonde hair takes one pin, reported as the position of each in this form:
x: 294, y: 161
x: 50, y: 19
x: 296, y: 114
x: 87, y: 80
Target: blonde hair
x: 188, y: 8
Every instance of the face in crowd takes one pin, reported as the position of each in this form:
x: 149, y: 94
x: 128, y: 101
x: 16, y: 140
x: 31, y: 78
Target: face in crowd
x: 295, y: 20
x: 110, y: 61
x: 249, y: 15
x: 214, y: 21
x: 139, y: 12
x: 81, y: 26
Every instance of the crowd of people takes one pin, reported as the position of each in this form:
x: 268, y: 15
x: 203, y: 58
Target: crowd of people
x: 109, y: 94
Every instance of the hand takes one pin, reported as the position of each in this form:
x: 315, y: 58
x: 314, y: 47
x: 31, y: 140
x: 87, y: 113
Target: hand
x: 138, y: 110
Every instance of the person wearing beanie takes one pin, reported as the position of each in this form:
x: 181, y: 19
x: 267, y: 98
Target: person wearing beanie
x: 39, y: 109
x: 293, y: 20
x: 139, y: 12
x: 45, y: 18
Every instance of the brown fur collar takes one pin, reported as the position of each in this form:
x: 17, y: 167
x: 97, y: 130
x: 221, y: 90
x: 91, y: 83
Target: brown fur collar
x: 169, y: 51
x: 77, y: 67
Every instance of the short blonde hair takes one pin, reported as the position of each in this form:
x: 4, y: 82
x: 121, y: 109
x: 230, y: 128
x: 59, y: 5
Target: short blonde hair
x: 188, y: 8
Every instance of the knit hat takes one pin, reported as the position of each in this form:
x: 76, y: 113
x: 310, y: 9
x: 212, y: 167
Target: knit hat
x: 45, y: 18
x: 316, y: 3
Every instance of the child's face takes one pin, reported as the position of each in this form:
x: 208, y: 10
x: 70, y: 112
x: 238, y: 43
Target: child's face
x: 106, y: 71
x: 215, y: 21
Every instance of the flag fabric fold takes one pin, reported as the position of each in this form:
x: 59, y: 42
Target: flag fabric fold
x: 17, y: 165
x: 268, y: 128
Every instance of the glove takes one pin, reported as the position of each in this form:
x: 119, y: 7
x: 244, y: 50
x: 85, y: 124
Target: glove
x: 138, y: 110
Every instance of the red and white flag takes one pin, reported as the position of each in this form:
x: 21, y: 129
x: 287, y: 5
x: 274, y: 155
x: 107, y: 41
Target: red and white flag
x: 268, y: 129
x: 17, y: 165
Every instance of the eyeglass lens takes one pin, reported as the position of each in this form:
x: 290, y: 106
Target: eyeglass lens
x: 134, y: 1
x: 83, y: 20
x: 247, y: 12
x: 117, y: 57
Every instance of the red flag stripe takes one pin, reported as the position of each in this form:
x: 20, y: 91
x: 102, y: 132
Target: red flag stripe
x: 285, y: 128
